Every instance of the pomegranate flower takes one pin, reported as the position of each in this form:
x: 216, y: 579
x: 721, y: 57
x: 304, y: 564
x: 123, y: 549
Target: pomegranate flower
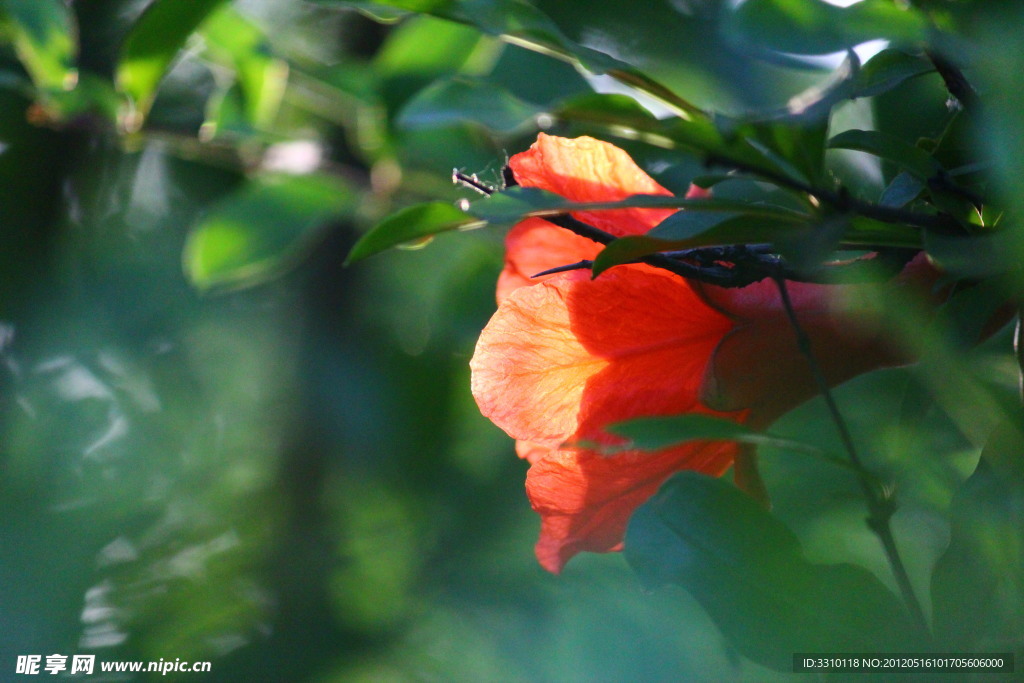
x: 565, y: 355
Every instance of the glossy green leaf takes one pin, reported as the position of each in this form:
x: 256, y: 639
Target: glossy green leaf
x: 749, y: 573
x: 978, y: 583
x: 46, y: 40
x: 410, y: 224
x: 455, y: 101
x: 239, y: 44
x: 262, y: 229
x: 818, y: 27
x: 904, y: 155
x: 153, y: 44
x: 516, y: 203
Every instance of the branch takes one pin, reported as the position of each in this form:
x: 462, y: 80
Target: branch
x: 842, y: 200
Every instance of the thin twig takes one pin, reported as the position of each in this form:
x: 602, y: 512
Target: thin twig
x: 881, y: 507
x: 842, y: 200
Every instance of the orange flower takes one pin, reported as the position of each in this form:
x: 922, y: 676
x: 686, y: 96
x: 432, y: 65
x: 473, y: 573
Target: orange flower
x: 564, y: 356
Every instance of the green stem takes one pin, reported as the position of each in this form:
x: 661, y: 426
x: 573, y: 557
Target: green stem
x: 880, y: 506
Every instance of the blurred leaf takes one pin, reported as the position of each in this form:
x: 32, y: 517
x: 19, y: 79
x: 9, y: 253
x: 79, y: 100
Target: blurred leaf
x: 237, y: 42
x: 262, y: 229
x: 46, y: 39
x: 454, y: 101
x: 749, y: 573
x: 888, y: 69
x: 904, y: 155
x: 974, y: 256
x: 903, y: 189
x: 523, y: 24
x: 816, y: 27
x: 410, y: 224
x: 978, y: 584
x: 153, y: 43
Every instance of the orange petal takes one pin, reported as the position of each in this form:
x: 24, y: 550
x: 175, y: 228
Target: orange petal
x: 531, y: 452
x: 567, y: 357
x: 534, y: 246
x: 588, y: 170
x: 759, y: 365
x: 585, y: 499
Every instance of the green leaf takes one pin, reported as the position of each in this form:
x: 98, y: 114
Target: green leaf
x: 903, y: 189
x: 978, y: 583
x: 975, y: 256
x: 655, y: 433
x: 449, y: 102
x: 749, y: 573
x: 410, y: 224
x: 817, y: 27
x: 516, y: 203
x: 904, y: 155
x: 45, y: 38
x: 695, y: 228
x: 262, y: 229
x: 522, y: 24
x: 233, y: 40
x: 151, y: 46
x: 888, y: 69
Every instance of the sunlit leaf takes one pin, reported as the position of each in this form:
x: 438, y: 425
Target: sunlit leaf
x: 46, y: 39
x: 411, y: 224
x: 237, y: 42
x: 154, y: 43
x: 749, y: 573
x: 262, y: 229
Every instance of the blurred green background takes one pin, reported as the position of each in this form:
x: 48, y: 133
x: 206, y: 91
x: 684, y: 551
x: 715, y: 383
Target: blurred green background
x: 219, y: 444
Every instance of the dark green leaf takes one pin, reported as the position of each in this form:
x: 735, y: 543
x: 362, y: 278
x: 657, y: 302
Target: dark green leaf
x: 888, y: 69
x: 261, y: 230
x: 978, y: 584
x: 903, y: 189
x: 817, y: 27
x: 749, y: 573
x: 695, y: 228
x: 895, y: 150
x: 410, y: 224
x: 976, y: 256
x: 46, y: 40
x: 153, y: 43
x: 455, y: 101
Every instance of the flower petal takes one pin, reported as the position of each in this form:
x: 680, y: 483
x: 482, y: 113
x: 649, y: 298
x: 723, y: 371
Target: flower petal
x: 534, y: 246
x: 585, y: 499
x: 567, y: 357
x: 588, y: 170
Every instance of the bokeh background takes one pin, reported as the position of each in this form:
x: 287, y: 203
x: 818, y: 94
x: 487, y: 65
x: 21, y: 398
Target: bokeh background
x: 218, y: 443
